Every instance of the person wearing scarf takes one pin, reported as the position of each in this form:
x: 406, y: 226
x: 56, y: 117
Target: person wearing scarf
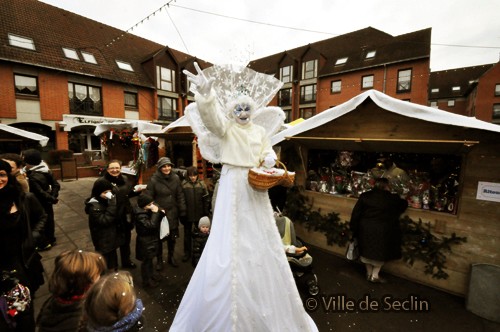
x: 22, y: 221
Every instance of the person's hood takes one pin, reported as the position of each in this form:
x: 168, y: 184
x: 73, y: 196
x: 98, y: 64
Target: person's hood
x: 42, y: 168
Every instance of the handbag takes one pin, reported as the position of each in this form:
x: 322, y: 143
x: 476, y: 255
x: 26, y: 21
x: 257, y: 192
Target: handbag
x: 352, y: 252
x: 164, y: 228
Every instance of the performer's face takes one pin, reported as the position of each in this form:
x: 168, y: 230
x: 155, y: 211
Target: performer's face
x: 242, y: 113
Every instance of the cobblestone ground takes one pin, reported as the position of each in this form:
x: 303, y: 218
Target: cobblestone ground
x: 347, y: 302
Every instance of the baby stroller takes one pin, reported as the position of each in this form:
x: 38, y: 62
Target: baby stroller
x: 299, y: 259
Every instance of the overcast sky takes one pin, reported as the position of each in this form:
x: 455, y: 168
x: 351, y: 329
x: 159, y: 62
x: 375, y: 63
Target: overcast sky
x: 464, y: 33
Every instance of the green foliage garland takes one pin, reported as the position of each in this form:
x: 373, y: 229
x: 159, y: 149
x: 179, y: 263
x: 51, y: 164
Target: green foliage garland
x: 418, y: 241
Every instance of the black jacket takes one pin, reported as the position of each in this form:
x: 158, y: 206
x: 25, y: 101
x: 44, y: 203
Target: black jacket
x: 43, y: 185
x: 147, y: 226
x: 167, y: 193
x: 106, y: 231
x: 199, y: 242
x: 375, y: 223
x: 197, y: 200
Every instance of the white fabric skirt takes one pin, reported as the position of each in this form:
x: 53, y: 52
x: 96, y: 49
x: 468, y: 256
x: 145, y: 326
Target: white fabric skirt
x: 243, y: 281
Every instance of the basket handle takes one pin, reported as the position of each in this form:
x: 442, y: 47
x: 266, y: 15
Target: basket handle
x: 278, y: 163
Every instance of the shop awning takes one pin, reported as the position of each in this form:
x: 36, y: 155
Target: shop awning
x: 23, y: 134
x: 389, y: 104
x: 142, y: 126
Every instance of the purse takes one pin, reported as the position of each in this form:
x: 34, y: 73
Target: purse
x: 352, y: 252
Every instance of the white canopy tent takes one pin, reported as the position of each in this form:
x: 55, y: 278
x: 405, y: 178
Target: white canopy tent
x: 142, y: 126
x: 390, y: 104
x: 43, y: 140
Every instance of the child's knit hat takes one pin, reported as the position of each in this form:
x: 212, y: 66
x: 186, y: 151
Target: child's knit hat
x: 204, y: 221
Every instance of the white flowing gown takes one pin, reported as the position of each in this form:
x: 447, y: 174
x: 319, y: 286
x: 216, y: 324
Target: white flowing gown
x: 243, y: 281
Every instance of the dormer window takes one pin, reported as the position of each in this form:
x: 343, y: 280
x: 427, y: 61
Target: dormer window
x: 455, y: 89
x: 88, y: 57
x: 23, y: 42
x: 310, y: 69
x: 70, y: 53
x: 435, y: 90
x: 124, y: 65
x: 341, y: 61
x: 370, y: 54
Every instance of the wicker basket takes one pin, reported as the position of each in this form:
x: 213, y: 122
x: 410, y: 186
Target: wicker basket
x: 262, y: 181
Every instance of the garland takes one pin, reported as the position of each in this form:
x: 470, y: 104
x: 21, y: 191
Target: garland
x: 418, y: 241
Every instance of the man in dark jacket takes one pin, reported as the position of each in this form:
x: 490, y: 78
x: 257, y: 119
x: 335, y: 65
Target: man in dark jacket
x: 46, y: 189
x: 375, y: 224
x: 166, y: 189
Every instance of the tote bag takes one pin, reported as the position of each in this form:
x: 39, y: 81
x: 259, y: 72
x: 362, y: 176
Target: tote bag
x: 352, y: 252
x: 164, y: 228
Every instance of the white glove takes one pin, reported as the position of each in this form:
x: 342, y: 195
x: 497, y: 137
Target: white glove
x: 203, y: 85
x: 269, y: 161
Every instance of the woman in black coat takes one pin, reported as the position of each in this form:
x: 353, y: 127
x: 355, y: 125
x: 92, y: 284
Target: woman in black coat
x: 22, y: 221
x: 166, y: 189
x: 375, y: 224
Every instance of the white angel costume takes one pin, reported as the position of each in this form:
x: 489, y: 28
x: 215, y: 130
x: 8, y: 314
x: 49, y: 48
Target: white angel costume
x: 243, y: 281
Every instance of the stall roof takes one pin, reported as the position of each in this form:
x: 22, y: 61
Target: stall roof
x: 25, y: 134
x: 389, y: 104
x: 142, y: 126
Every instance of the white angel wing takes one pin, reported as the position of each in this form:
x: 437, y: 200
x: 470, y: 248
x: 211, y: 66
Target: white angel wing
x: 271, y: 118
x: 209, y: 143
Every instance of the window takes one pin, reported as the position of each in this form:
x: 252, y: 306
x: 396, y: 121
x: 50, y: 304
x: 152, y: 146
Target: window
x: 82, y: 139
x: 434, y: 104
x: 130, y: 99
x: 288, y: 116
x: 370, y: 54
x: 367, y: 82
x: 286, y: 74
x: 404, y: 80
x: 497, y: 89
x: 341, y: 61
x: 451, y: 102
x: 309, y: 69
x: 435, y: 90
x: 167, y: 108
x: 70, y: 53
x: 496, y: 112
x: 88, y: 57
x: 336, y: 86
x: 165, y: 78
x: 455, y: 89
x: 308, y: 93
x: 84, y: 99
x: 306, y: 113
x: 23, y: 42
x: 26, y: 85
x: 285, y: 97
x: 124, y: 65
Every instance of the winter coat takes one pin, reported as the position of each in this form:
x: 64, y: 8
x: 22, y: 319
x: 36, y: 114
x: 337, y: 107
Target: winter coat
x: 147, y: 226
x: 43, y: 184
x: 167, y: 192
x: 199, y: 242
x: 375, y: 223
x: 58, y: 316
x: 123, y: 190
x: 18, y: 233
x: 106, y: 231
x: 197, y: 200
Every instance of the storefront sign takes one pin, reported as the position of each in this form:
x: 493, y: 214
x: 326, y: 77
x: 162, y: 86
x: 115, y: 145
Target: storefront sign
x: 70, y: 121
x: 488, y: 191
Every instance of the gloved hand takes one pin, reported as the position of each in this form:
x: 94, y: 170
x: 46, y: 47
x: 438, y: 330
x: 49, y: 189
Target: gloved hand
x: 203, y: 85
x: 269, y: 161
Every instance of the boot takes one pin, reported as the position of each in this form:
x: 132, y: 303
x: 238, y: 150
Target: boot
x: 159, y: 264
x: 172, y: 262
x: 186, y: 256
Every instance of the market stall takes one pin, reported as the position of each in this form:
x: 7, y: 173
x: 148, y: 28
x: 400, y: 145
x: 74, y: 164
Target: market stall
x: 15, y: 140
x: 449, y: 173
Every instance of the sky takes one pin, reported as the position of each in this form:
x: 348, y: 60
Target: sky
x: 464, y: 33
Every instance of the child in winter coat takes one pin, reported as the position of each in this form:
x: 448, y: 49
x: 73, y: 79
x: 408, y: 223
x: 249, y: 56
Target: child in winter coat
x: 200, y: 239
x: 112, y: 305
x: 105, y: 230
x: 74, y: 273
x: 147, y: 224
